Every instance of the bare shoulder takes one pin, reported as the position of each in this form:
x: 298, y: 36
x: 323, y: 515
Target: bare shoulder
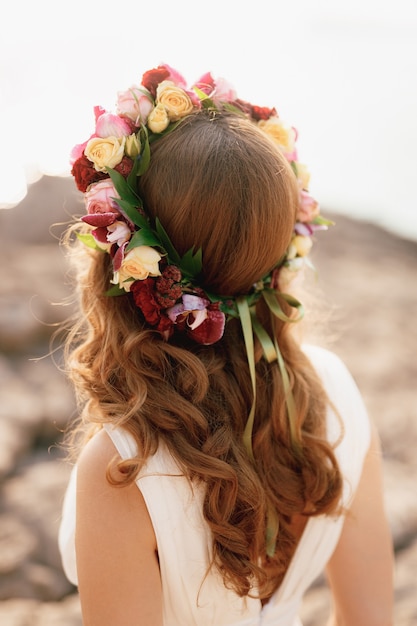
x: 117, y: 564
x: 98, y: 497
x: 97, y: 454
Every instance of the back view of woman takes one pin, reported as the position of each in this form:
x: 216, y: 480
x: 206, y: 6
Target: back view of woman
x: 221, y: 466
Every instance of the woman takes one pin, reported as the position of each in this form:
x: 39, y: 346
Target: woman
x: 221, y: 465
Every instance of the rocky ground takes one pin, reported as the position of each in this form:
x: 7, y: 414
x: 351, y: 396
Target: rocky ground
x: 367, y: 280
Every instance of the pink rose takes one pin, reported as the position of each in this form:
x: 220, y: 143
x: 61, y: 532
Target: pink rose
x: 111, y: 125
x: 205, y: 83
x: 308, y: 208
x: 99, y: 198
x: 135, y: 103
x: 175, y: 76
x: 77, y: 152
x: 223, y: 92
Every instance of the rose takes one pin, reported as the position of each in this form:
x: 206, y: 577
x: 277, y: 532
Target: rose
x: 138, y: 264
x: 99, y: 198
x: 223, y: 92
x: 262, y: 113
x: 300, y: 246
x: 308, y: 207
x: 205, y: 83
x: 152, y: 78
x: 85, y: 173
x: 110, y: 125
x: 105, y: 152
x: 176, y: 101
x: 281, y: 133
x: 132, y: 146
x: 135, y: 103
x: 158, y: 119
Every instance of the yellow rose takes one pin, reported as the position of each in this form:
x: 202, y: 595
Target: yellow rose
x: 138, y: 264
x: 281, y: 133
x: 132, y: 146
x: 176, y: 101
x: 158, y: 119
x: 105, y: 152
x: 299, y: 246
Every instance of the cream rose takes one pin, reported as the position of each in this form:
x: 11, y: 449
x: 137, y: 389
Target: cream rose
x: 158, y: 119
x: 138, y: 264
x: 105, y: 152
x: 281, y: 133
x: 132, y: 146
x: 299, y: 246
x: 175, y: 100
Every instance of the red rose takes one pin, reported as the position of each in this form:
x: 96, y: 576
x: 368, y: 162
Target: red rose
x: 262, y: 113
x: 85, y: 174
x: 152, y: 78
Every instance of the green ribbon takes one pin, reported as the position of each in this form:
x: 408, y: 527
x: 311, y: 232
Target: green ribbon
x: 250, y: 325
x: 246, y: 321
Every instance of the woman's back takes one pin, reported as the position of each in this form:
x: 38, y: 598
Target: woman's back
x: 190, y: 595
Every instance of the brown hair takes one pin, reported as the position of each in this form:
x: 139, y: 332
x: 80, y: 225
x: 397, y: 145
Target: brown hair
x: 220, y: 184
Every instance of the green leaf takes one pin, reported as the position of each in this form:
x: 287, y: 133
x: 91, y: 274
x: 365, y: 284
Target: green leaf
x: 144, y: 237
x: 145, y: 155
x: 132, y: 213
x: 132, y: 178
x: 200, y: 93
x: 166, y: 242
x: 122, y: 187
x: 88, y: 240
x: 322, y: 221
x: 228, y: 106
x: 192, y: 263
x: 208, y: 103
x: 115, y: 291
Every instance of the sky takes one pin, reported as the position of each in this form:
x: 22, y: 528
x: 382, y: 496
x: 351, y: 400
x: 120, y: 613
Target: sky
x: 343, y: 73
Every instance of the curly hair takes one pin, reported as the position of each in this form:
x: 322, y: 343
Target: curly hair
x: 220, y: 184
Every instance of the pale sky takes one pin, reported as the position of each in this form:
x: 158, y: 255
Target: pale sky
x: 343, y: 73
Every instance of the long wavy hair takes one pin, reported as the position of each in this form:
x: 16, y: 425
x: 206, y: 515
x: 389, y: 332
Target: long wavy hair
x: 220, y: 184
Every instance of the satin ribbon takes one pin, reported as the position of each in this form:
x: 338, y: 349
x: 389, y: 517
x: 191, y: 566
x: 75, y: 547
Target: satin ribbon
x: 250, y: 325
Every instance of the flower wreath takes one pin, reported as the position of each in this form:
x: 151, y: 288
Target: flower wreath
x: 164, y: 285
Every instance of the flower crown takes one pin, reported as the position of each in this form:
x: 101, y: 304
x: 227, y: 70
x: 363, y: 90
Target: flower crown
x: 145, y: 263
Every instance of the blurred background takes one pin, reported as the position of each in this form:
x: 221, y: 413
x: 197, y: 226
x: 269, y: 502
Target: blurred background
x: 345, y: 75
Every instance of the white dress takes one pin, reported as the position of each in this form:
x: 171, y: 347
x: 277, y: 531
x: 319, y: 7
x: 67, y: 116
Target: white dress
x: 183, y: 538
